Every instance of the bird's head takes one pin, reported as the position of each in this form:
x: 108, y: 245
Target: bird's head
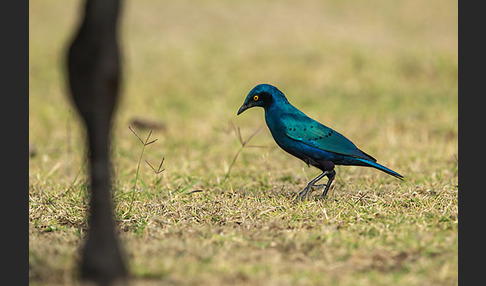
x: 263, y: 95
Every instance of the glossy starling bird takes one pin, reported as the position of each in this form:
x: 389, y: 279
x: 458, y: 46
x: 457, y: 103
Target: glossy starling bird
x: 307, y: 139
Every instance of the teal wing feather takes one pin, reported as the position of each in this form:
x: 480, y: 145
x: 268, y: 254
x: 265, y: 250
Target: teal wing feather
x: 302, y: 128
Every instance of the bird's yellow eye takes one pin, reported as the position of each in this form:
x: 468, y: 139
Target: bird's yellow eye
x: 255, y: 97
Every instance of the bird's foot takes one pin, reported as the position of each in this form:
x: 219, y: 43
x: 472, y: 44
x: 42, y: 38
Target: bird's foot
x: 312, y: 184
x: 328, y: 185
x: 303, y: 194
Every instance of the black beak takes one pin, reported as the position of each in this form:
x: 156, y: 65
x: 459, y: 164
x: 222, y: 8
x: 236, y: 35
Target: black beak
x: 242, y: 108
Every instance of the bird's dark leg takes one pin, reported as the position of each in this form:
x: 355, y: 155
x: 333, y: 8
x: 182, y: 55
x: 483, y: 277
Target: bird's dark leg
x: 303, y: 194
x: 330, y: 175
x: 328, y: 170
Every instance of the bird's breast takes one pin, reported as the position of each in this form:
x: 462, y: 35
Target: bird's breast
x: 277, y: 128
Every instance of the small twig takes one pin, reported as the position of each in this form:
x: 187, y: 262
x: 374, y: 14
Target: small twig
x: 159, y: 170
x: 194, y: 191
x: 145, y: 144
x: 133, y: 131
x: 243, y: 145
x: 237, y: 132
x: 146, y: 140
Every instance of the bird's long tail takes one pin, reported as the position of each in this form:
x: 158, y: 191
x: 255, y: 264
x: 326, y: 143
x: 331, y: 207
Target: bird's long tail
x: 382, y: 168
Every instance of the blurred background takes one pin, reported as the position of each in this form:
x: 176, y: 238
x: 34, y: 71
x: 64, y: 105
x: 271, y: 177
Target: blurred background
x: 375, y: 71
x: 379, y: 72
x: 382, y: 73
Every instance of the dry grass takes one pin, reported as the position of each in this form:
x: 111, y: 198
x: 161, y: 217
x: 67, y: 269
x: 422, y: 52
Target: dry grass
x: 382, y: 73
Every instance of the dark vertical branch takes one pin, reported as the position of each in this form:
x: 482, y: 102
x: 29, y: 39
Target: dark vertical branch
x: 94, y: 77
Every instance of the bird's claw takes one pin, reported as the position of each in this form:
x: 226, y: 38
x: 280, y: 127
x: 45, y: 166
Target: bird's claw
x: 303, y: 194
x: 312, y: 184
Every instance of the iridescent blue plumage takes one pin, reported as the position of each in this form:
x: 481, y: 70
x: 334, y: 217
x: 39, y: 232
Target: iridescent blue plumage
x: 307, y: 139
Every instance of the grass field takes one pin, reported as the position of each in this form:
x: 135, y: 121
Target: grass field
x: 383, y: 73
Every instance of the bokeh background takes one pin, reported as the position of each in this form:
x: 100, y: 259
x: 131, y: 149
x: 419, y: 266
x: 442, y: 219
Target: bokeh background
x: 383, y: 73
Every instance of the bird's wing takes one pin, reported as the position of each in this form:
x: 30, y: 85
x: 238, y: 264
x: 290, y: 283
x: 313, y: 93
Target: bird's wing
x: 302, y: 128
